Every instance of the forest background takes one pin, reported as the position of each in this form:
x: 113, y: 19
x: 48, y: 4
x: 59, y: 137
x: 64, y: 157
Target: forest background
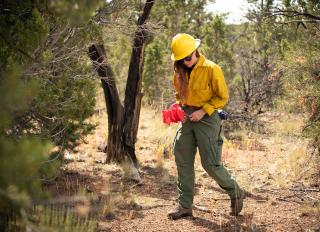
x: 49, y: 87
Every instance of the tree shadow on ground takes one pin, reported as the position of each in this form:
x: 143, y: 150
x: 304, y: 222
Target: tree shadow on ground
x: 157, y: 183
x: 234, y: 223
x: 257, y: 197
x: 71, y: 183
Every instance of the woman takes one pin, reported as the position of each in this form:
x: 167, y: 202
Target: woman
x: 201, y: 91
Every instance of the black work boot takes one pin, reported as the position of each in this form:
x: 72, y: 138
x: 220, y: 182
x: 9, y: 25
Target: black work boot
x: 237, y: 204
x: 179, y: 212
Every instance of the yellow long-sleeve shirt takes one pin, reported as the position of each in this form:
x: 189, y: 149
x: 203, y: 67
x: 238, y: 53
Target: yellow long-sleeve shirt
x: 206, y: 86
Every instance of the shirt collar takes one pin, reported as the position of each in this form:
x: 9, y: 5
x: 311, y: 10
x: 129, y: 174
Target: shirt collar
x: 201, y: 61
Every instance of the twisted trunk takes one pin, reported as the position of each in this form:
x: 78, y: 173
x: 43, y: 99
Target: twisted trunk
x: 123, y: 122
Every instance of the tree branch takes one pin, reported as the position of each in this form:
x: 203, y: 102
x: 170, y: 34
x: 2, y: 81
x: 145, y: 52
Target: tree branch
x: 17, y: 49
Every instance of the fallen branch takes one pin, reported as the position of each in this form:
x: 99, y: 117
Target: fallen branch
x: 221, y: 199
x: 312, y: 198
x: 284, y: 199
x: 304, y: 190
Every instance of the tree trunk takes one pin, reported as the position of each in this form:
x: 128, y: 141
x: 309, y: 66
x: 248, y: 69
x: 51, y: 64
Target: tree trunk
x: 123, y: 121
x: 114, y: 107
x: 132, y: 102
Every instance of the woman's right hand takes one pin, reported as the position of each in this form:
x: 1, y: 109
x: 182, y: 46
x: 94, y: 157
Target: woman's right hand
x: 196, y: 116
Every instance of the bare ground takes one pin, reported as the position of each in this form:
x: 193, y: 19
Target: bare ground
x: 269, y: 166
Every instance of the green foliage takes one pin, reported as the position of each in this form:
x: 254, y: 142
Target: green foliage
x: 118, y: 50
x: 156, y: 72
x: 301, y: 77
x: 50, y: 48
x: 19, y: 180
x: 78, y: 12
x: 301, y: 66
x: 23, y: 93
x: 216, y: 45
x: 22, y: 29
x: 47, y: 92
x: 62, y: 106
x: 20, y: 157
x: 182, y: 16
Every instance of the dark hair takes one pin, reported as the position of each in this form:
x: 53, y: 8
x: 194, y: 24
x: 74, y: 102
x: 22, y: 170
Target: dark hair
x: 180, y: 72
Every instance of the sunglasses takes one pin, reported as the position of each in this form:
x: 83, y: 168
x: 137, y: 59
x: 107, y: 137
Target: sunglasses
x: 188, y: 58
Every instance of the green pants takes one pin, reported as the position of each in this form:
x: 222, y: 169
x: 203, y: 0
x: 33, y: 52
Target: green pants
x: 206, y: 137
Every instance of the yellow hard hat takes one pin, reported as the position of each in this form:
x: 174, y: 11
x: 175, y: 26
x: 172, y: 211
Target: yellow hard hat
x: 183, y: 45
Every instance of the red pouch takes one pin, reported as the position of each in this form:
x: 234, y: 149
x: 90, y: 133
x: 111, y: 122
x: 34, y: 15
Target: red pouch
x: 174, y: 114
x: 166, y: 116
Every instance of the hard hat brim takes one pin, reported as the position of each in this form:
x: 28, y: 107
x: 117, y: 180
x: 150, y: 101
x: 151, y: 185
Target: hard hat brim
x: 198, y: 42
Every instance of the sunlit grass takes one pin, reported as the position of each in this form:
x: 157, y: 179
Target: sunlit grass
x: 60, y: 218
x: 108, y: 206
x: 288, y: 126
x: 287, y: 159
x: 308, y: 209
x: 295, y: 165
x: 152, y: 127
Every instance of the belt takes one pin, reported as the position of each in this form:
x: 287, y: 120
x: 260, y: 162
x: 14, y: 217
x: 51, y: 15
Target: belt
x: 192, y: 107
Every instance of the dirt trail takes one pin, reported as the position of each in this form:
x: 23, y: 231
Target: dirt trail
x: 132, y: 207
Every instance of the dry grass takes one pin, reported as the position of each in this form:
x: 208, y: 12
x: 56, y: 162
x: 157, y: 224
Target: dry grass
x: 108, y: 202
x: 308, y: 209
x: 114, y: 202
x: 286, y: 151
x: 290, y: 167
x: 258, y: 161
x: 287, y: 126
x: 54, y: 219
x: 152, y: 128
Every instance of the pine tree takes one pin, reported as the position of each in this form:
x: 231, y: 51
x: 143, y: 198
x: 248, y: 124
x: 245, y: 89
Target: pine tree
x: 43, y: 101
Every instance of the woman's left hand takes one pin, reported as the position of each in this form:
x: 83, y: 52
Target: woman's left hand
x: 197, y: 115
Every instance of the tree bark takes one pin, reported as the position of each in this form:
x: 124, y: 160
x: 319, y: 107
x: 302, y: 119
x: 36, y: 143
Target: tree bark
x: 114, y: 107
x: 132, y: 102
x: 123, y: 121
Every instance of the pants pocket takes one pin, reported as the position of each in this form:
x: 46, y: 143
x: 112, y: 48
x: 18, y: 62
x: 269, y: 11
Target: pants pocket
x: 215, y: 152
